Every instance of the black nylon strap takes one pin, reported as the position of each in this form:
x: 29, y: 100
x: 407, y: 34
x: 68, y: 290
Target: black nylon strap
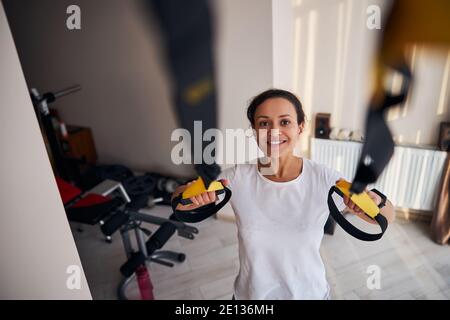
x: 348, y: 227
x: 383, y: 198
x: 378, y: 146
x: 188, y: 38
x: 202, y: 213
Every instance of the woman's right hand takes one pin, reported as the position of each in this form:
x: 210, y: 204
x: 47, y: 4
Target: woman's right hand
x: 199, y: 200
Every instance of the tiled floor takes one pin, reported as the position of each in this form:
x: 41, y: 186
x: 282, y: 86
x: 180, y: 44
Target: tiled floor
x: 411, y: 265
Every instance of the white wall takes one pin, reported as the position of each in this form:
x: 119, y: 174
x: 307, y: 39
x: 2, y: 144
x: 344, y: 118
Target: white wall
x: 36, y: 245
x: 283, y: 43
x: 333, y: 50
x: 428, y: 104
x: 244, y: 61
x: 244, y: 56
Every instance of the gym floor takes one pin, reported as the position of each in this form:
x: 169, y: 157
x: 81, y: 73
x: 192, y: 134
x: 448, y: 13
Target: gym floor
x: 412, y: 266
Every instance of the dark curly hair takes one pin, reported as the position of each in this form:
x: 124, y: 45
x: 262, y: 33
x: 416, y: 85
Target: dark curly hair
x: 275, y: 93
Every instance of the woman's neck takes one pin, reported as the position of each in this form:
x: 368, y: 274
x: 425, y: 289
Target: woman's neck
x: 282, y: 168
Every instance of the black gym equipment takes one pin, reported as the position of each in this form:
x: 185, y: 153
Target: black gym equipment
x: 66, y: 167
x: 148, y: 251
x: 114, y: 213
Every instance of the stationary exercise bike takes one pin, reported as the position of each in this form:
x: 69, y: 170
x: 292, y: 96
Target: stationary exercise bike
x: 113, y: 210
x: 128, y: 221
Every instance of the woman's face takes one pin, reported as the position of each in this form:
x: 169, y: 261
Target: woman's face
x: 277, y: 129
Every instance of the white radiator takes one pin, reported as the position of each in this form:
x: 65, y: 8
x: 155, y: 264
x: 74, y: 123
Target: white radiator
x: 411, y: 179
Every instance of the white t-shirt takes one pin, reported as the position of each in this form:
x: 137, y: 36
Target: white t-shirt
x: 280, y: 228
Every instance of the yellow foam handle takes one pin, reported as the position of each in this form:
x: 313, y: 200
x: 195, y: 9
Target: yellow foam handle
x: 198, y: 187
x: 362, y: 200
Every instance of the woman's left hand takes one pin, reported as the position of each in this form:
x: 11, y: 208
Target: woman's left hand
x: 353, y: 208
x: 387, y: 211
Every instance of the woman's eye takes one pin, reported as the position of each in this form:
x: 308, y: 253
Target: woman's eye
x: 285, y: 122
x: 263, y: 123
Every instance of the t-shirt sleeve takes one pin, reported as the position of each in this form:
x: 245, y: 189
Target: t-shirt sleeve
x: 229, y: 174
x: 331, y: 176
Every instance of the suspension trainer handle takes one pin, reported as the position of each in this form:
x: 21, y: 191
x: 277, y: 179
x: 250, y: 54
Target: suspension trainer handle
x: 205, y: 211
x: 365, y: 203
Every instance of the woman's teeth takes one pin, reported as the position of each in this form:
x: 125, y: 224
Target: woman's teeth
x: 277, y: 142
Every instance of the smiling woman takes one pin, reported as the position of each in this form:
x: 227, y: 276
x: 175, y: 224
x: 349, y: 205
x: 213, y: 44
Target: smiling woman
x: 285, y: 196
x: 278, y: 118
x: 276, y: 94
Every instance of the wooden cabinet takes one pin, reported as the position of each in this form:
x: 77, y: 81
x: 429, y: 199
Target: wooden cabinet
x: 80, y: 143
